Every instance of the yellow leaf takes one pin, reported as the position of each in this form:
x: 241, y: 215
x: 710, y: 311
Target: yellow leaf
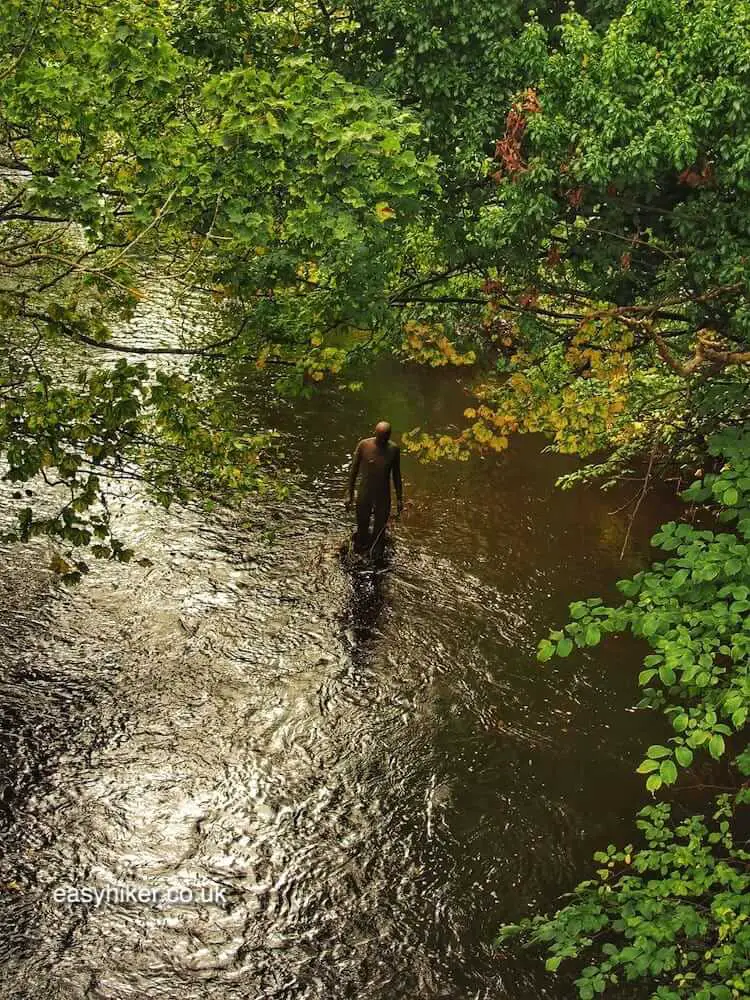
x: 60, y: 566
x: 384, y: 211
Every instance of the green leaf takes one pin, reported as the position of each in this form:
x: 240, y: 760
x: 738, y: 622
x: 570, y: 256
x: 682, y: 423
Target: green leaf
x: 647, y: 766
x: 680, y: 722
x: 679, y: 578
x: 545, y: 651
x: 592, y: 635
x: 697, y: 737
x: 668, y: 772
x: 654, y: 783
x: 667, y: 675
x: 564, y: 646
x: 739, y: 717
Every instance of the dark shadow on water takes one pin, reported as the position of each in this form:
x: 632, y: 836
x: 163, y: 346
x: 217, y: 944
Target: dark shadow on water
x: 367, y: 598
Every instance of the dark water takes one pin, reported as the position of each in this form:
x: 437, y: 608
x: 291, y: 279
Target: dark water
x: 372, y: 768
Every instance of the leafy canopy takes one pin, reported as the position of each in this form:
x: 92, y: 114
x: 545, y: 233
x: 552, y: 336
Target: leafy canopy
x: 608, y: 268
x: 285, y: 191
x: 675, y: 910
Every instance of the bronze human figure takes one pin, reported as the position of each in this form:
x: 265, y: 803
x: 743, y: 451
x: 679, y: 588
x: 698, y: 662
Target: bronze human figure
x: 376, y: 461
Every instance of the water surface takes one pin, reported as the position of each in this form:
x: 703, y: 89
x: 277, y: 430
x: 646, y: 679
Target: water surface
x: 371, y: 767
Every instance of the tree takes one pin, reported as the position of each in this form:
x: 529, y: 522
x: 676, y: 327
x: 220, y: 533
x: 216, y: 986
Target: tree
x: 286, y: 194
x: 612, y: 269
x: 324, y: 172
x: 675, y: 910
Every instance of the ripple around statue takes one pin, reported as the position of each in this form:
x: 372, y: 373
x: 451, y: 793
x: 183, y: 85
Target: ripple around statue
x: 356, y: 559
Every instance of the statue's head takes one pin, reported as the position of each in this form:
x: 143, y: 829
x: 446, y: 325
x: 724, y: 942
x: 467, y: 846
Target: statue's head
x: 382, y: 432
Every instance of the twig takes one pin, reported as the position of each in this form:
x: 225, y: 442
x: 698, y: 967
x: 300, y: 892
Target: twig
x: 643, y: 492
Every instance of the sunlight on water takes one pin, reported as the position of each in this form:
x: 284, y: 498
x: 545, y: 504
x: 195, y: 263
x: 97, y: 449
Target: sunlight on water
x: 369, y: 771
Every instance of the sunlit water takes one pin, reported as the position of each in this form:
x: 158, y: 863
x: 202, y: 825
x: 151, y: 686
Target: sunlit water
x: 371, y: 769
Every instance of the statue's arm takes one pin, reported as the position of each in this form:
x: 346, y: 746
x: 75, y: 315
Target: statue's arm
x: 354, y: 471
x: 396, y: 472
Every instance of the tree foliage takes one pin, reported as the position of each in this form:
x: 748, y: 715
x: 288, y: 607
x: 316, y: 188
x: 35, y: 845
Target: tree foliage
x: 675, y: 910
x: 614, y: 245
x: 324, y: 172
x: 284, y: 193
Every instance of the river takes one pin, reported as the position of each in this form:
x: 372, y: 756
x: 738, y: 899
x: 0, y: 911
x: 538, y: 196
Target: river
x: 370, y: 773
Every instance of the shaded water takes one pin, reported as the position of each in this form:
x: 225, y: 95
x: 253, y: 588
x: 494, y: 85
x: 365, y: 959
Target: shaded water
x: 372, y: 768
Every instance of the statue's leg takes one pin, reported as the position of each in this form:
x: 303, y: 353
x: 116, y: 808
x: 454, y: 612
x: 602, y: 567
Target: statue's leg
x: 364, y: 510
x: 382, y: 513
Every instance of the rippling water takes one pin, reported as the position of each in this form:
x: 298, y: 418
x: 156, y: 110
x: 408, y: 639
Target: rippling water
x: 371, y: 768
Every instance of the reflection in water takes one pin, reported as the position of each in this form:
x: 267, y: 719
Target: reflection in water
x: 370, y: 764
x: 367, y: 583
